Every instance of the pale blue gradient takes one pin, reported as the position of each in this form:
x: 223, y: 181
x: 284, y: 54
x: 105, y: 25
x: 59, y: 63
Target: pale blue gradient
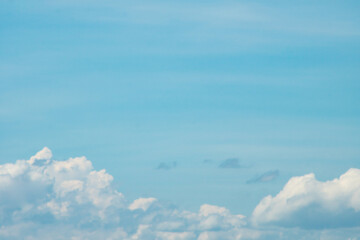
x: 131, y: 85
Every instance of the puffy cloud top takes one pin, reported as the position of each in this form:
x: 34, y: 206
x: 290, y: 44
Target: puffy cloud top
x: 41, y: 196
x: 44, y: 154
x: 309, y: 203
x: 142, y: 203
x: 55, y: 189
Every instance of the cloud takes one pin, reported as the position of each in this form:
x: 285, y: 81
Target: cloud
x: 53, y: 189
x: 311, y: 204
x: 142, y: 203
x: 230, y: 163
x: 45, y: 154
x: 166, y: 166
x: 265, y: 177
x: 41, y: 197
x: 207, y: 161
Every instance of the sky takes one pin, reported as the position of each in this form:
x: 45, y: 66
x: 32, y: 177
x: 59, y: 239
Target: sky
x: 204, y: 114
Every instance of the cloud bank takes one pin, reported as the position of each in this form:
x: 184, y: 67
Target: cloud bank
x: 42, y: 197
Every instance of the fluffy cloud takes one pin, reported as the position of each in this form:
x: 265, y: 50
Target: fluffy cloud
x: 308, y: 203
x: 142, y: 203
x: 45, y: 189
x: 42, y: 196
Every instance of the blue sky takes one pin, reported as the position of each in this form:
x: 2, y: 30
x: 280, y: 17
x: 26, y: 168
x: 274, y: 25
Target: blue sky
x: 131, y: 85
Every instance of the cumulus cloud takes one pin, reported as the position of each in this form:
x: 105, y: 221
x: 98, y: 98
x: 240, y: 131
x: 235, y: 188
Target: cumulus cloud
x: 142, y: 203
x: 41, y: 197
x: 230, y: 163
x: 45, y: 189
x: 45, y: 154
x: 265, y: 177
x: 308, y: 203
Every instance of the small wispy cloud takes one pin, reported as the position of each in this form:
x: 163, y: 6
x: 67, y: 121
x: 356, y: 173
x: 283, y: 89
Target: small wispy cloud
x: 207, y: 161
x: 166, y: 165
x: 265, y: 177
x: 230, y: 163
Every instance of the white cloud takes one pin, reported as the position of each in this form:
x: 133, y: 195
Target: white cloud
x: 176, y: 236
x: 44, y: 154
x: 213, y: 217
x: 306, y: 202
x: 142, y: 203
x: 230, y: 235
x: 41, y: 197
x: 206, y: 210
x: 59, y: 188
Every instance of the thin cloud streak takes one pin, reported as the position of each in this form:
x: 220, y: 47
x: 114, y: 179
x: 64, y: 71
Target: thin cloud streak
x: 265, y: 177
x: 230, y: 163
